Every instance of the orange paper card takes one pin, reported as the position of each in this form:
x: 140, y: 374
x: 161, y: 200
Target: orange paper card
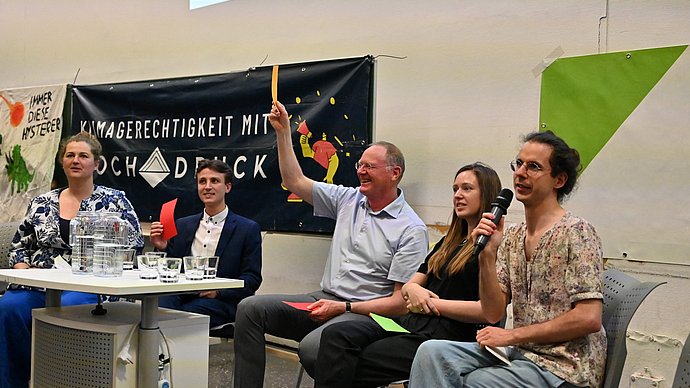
x: 274, y: 83
x: 168, y: 219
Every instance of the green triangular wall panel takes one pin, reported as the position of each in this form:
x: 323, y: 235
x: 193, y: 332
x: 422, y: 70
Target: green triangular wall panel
x: 586, y: 99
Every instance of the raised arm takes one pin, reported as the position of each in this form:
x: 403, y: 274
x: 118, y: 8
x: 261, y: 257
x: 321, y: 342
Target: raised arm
x: 492, y: 299
x: 290, y: 170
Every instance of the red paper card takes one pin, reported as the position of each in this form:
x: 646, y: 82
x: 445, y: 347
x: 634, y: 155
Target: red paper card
x: 299, y: 305
x: 168, y: 219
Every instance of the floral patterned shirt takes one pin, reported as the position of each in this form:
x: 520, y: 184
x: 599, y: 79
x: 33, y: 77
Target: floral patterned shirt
x: 37, y: 241
x: 566, y: 267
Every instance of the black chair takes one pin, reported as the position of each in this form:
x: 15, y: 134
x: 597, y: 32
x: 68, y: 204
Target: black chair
x: 623, y: 294
x: 682, y: 378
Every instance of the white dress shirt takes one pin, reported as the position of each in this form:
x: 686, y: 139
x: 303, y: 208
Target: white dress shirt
x: 208, y: 234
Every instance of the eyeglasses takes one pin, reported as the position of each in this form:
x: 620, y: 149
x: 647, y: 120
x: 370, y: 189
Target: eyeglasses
x: 368, y: 166
x: 532, y: 168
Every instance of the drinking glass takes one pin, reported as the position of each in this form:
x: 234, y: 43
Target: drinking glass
x: 169, y: 269
x: 194, y: 267
x: 127, y: 255
x: 148, y: 266
x: 211, y: 267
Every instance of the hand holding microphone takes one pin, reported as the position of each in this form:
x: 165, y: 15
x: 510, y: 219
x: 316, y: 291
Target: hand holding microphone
x: 499, y: 208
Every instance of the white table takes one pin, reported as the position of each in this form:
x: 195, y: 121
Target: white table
x: 55, y: 281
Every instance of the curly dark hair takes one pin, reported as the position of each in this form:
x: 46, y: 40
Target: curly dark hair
x: 563, y: 159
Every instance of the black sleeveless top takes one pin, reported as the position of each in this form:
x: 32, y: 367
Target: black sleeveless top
x: 64, y: 230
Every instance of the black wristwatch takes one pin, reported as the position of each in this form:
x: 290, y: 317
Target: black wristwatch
x: 348, y: 307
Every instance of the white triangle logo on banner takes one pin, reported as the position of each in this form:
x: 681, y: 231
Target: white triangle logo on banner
x: 155, y: 169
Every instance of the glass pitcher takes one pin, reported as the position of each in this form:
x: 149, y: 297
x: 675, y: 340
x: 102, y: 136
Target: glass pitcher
x: 110, y: 233
x: 81, y: 230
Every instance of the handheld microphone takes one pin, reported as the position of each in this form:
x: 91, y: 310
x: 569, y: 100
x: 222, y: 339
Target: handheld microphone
x: 499, y: 208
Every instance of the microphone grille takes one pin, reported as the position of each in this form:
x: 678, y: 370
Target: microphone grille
x: 505, y: 196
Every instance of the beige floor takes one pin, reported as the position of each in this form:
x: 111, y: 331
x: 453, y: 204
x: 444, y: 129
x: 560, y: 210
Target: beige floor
x: 282, y: 368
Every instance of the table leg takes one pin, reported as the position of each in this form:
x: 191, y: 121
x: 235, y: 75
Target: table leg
x: 53, y: 298
x: 147, y: 350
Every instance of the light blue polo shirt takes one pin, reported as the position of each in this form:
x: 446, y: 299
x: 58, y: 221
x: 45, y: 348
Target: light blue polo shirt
x: 370, y: 250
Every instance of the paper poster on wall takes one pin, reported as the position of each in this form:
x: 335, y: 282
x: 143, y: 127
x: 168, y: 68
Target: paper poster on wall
x: 154, y: 132
x: 30, y: 130
x: 627, y: 114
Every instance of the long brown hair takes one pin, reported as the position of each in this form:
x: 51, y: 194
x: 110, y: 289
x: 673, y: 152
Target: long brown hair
x: 489, y: 186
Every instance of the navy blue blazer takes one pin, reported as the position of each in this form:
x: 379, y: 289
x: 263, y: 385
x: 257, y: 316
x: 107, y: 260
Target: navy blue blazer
x: 238, y: 250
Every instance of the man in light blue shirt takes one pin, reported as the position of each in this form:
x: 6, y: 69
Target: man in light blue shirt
x: 378, y: 244
x: 374, y: 249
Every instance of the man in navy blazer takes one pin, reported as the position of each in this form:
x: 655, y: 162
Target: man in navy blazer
x: 215, y: 232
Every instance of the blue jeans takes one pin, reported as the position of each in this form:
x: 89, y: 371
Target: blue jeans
x: 464, y: 364
x: 15, y: 331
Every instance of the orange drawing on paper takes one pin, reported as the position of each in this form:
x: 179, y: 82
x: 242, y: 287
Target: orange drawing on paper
x: 16, y: 111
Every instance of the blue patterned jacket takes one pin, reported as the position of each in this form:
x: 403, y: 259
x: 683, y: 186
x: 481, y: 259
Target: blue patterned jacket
x: 37, y: 241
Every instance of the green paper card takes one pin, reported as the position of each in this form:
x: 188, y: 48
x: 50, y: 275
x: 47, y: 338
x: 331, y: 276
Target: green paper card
x: 388, y: 324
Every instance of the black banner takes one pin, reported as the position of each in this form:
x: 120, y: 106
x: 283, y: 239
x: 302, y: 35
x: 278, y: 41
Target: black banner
x: 153, y: 132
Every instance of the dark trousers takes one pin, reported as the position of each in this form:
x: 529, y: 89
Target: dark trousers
x: 261, y: 314
x: 362, y: 354
x: 267, y: 314
x: 219, y: 311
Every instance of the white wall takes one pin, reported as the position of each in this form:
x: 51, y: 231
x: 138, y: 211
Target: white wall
x: 468, y: 70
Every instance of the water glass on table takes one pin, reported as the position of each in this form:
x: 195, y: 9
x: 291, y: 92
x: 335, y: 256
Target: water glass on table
x: 194, y: 267
x: 169, y: 269
x: 127, y: 255
x: 148, y: 266
x: 211, y: 267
